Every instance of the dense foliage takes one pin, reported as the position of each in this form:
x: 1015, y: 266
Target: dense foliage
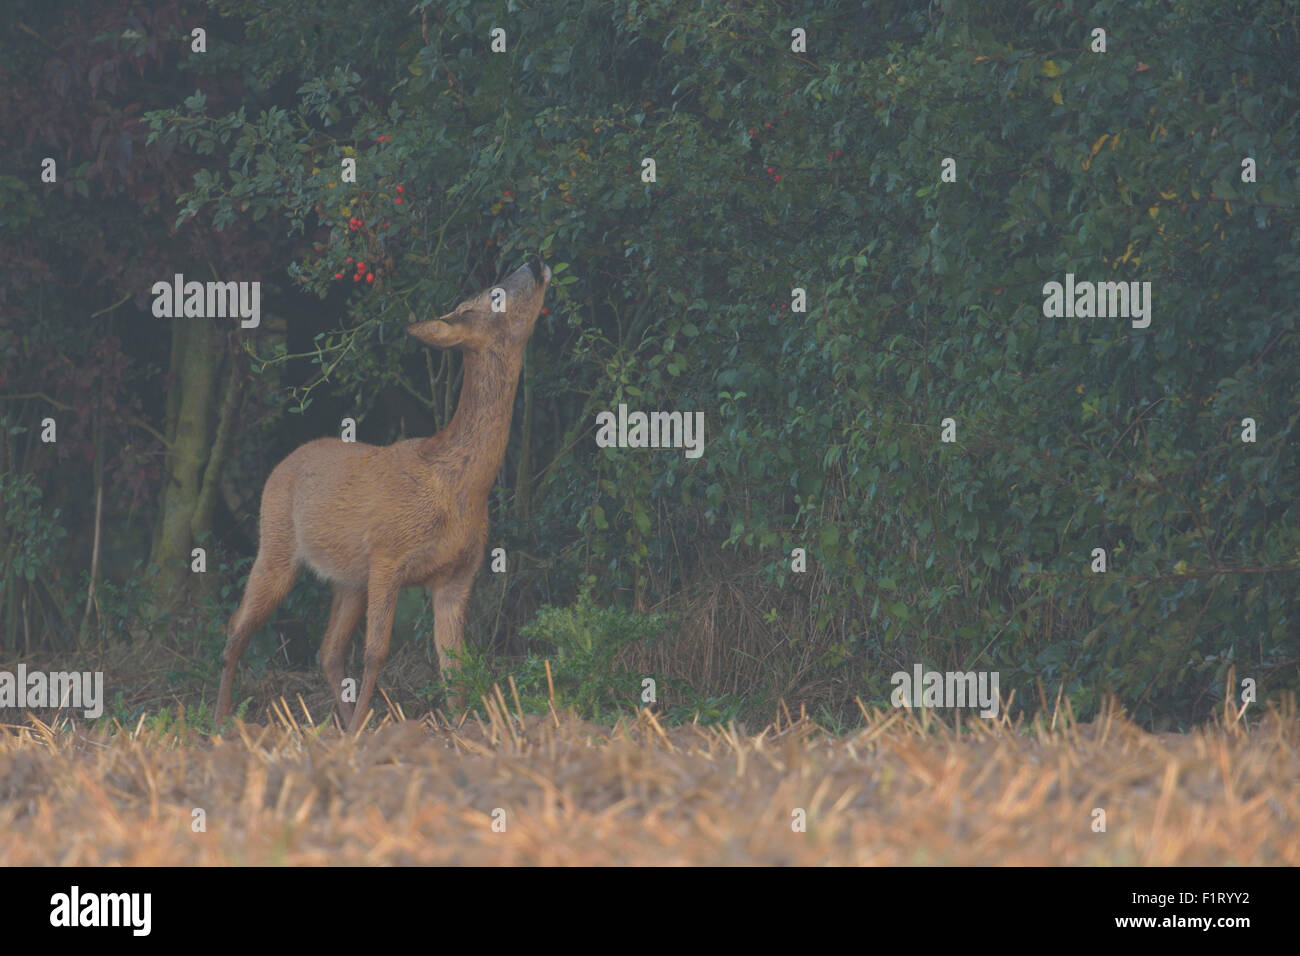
x: 774, y: 171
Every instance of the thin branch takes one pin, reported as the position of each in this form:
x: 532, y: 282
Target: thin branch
x: 125, y: 298
x: 41, y: 395
x: 139, y: 423
x: 1164, y: 579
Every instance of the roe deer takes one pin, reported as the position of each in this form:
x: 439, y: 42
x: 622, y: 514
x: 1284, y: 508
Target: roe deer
x: 373, y: 520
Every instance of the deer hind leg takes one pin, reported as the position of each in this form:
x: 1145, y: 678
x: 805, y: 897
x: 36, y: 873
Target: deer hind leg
x: 450, y: 600
x: 345, y: 613
x: 381, y: 602
x: 268, y: 584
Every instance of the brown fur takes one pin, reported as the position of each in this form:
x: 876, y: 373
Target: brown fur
x: 372, y: 520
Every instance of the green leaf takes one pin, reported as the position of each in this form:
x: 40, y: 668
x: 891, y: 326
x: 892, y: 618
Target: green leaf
x: 641, y: 518
x: 829, y: 537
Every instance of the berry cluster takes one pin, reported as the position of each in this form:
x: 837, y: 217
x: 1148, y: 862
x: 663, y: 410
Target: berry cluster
x: 361, y: 272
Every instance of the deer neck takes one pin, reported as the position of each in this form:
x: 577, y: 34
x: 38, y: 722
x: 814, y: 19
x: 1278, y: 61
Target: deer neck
x: 480, y: 429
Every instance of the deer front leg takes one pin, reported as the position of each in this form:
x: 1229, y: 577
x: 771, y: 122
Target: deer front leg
x: 349, y: 604
x: 268, y: 584
x: 450, y: 600
x: 381, y: 602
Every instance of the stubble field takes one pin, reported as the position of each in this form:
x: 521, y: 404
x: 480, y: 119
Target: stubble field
x: 553, y: 790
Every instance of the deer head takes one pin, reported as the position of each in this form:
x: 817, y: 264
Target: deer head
x: 476, y: 327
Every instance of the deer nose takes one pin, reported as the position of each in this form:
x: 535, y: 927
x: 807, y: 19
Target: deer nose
x: 540, y: 272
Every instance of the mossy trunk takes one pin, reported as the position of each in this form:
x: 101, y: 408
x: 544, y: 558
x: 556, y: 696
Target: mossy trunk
x: 197, y: 355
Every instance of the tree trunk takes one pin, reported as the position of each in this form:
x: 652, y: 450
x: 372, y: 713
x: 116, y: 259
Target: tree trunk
x: 179, y: 337
x: 196, y: 362
x: 201, y: 522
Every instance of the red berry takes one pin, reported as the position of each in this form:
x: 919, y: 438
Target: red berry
x: 770, y: 170
x: 356, y: 278
x: 777, y: 177
x: 338, y: 275
x: 361, y: 267
x: 370, y: 277
x: 545, y: 311
x: 751, y: 132
x: 767, y: 126
x: 397, y: 199
x: 349, y: 258
x: 400, y: 189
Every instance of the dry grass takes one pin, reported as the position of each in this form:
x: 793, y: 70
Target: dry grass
x: 898, y: 791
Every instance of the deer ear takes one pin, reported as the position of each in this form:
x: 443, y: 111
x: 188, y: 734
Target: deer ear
x: 438, y: 333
